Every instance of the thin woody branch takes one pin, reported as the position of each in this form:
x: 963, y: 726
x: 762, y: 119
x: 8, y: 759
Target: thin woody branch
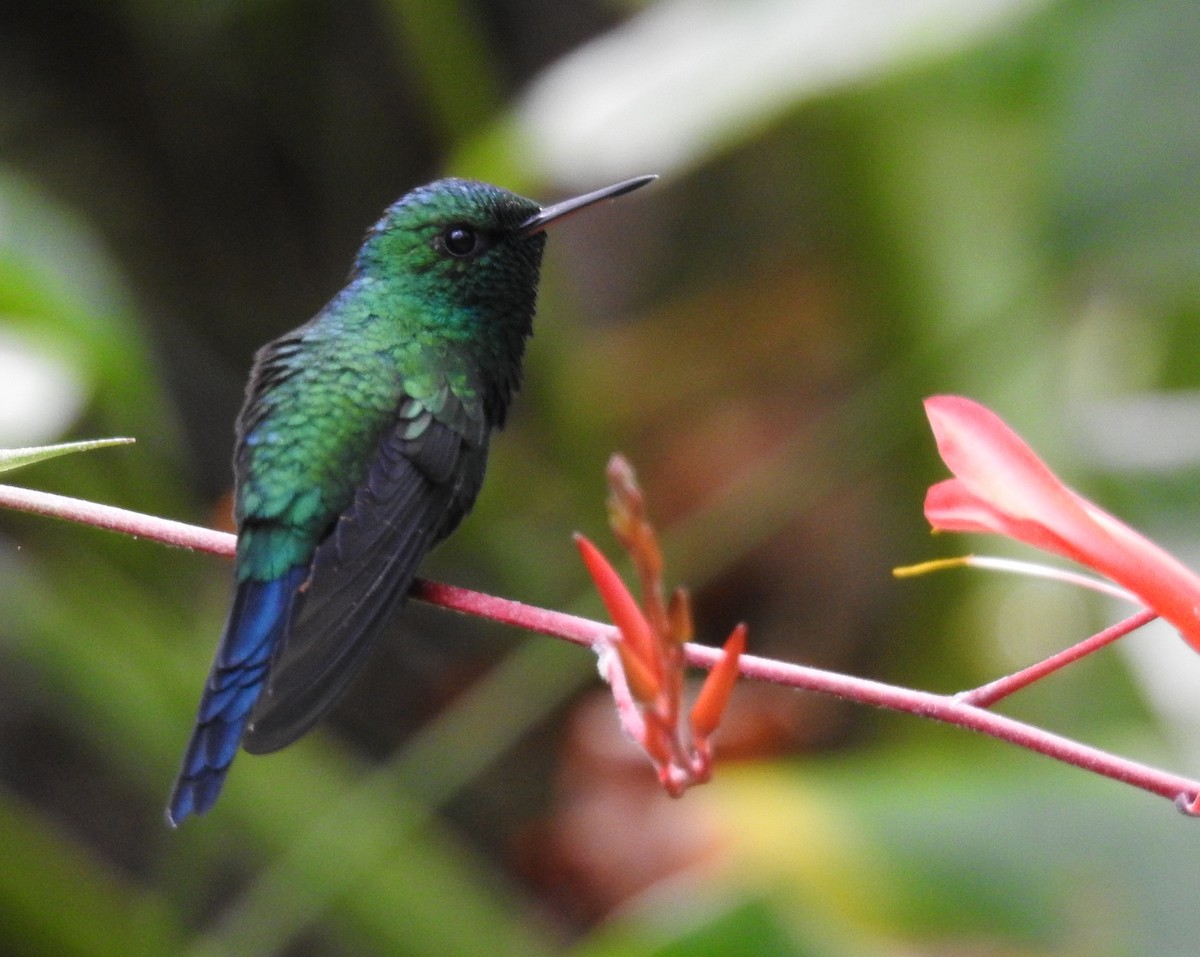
x: 987, y: 695
x: 1185, y: 792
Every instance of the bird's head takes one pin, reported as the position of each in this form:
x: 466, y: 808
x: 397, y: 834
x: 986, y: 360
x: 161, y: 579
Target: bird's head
x: 467, y: 245
x: 457, y: 245
x: 461, y: 259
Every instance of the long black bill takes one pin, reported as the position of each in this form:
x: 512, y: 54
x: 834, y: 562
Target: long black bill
x: 568, y: 207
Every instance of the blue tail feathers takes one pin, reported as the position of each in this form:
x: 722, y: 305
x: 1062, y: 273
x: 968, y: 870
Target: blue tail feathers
x: 256, y: 622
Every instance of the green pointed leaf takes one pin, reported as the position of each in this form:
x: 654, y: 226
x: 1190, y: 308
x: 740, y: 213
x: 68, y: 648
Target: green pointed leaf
x: 16, y: 458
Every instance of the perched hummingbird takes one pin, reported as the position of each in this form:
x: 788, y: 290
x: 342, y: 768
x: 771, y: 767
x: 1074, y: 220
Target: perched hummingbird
x: 361, y: 445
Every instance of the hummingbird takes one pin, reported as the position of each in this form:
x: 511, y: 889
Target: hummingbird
x: 362, y: 443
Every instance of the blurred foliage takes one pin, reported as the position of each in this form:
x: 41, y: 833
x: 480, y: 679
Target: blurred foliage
x: 862, y: 203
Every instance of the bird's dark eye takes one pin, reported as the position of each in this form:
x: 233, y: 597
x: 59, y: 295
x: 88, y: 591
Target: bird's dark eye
x: 461, y: 241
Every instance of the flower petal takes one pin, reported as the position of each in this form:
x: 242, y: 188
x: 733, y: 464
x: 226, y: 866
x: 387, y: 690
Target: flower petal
x: 1001, y: 486
x: 994, y: 463
x: 714, y: 693
x: 637, y: 638
x: 950, y: 506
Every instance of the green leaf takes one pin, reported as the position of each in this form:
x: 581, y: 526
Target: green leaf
x: 16, y: 458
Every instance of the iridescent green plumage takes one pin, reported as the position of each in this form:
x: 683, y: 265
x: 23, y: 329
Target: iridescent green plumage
x: 362, y: 444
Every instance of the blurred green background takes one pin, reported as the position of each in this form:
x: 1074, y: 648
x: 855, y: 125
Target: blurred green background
x: 862, y: 203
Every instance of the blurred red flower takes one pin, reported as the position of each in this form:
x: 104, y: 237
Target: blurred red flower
x: 1001, y: 486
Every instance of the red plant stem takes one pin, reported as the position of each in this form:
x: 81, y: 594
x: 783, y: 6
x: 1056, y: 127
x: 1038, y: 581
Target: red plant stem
x: 114, y: 519
x: 573, y: 628
x: 946, y: 708
x: 987, y: 695
x: 583, y: 631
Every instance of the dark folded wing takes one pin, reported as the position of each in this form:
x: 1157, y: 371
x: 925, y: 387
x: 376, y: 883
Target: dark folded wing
x: 415, y: 493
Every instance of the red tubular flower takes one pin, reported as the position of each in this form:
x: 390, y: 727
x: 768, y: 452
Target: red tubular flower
x: 645, y: 663
x: 637, y: 646
x: 714, y: 693
x: 1001, y: 486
